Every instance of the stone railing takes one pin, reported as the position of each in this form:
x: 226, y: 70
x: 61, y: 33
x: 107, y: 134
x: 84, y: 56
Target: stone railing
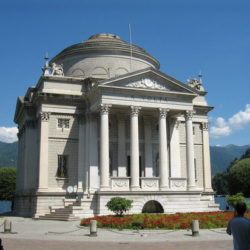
x: 150, y: 183
x: 120, y: 183
x: 178, y: 184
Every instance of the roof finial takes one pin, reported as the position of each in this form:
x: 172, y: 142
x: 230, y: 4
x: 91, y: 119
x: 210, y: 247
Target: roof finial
x: 200, y: 77
x: 46, y: 68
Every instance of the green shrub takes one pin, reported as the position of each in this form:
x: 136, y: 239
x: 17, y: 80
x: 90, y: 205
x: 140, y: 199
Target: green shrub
x: 119, y: 205
x: 233, y: 199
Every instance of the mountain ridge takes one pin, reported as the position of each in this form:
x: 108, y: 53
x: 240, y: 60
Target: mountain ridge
x: 221, y: 156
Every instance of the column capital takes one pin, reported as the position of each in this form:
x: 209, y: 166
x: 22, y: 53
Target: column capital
x: 204, y: 126
x: 163, y: 112
x: 135, y: 110
x: 44, y: 116
x: 189, y: 114
x: 105, y: 108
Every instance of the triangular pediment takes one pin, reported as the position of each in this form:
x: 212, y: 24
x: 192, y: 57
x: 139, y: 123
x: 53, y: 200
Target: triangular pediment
x: 148, y: 79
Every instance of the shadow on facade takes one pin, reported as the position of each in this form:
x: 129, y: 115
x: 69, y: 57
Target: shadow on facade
x: 152, y: 207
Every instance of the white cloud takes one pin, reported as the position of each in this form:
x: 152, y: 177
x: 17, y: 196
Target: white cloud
x: 238, y: 121
x: 8, y: 135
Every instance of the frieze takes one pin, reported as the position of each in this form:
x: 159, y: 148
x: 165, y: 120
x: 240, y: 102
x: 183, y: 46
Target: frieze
x: 178, y: 184
x: 150, y: 184
x: 120, y: 183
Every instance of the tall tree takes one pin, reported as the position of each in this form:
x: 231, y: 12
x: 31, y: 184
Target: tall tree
x: 7, y: 183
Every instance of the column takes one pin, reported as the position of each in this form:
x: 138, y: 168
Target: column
x: 134, y: 148
x: 175, y: 157
x: 190, y: 150
x: 43, y: 152
x: 148, y: 146
x: 163, y: 151
x: 104, y: 147
x: 206, y: 158
x: 81, y: 139
x: 122, y: 168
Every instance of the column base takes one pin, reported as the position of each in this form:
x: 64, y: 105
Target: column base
x: 42, y: 190
x: 194, y: 188
x: 104, y: 188
x: 135, y: 188
x: 164, y: 188
x: 209, y: 190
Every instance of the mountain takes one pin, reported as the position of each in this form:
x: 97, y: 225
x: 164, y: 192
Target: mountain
x: 8, y: 154
x: 221, y: 157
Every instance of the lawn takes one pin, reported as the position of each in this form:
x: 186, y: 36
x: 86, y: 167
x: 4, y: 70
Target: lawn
x: 163, y: 221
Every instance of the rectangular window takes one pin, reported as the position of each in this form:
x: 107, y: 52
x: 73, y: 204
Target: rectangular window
x: 193, y: 130
x: 62, y: 171
x: 63, y: 123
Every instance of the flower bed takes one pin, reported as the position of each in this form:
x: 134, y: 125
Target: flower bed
x: 163, y: 221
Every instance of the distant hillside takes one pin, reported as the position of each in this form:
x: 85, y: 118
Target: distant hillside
x: 8, y: 154
x: 221, y: 157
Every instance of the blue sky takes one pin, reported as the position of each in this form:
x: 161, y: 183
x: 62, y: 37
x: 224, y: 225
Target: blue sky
x: 186, y: 36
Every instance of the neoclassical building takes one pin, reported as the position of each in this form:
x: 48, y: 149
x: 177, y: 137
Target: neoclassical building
x: 104, y: 121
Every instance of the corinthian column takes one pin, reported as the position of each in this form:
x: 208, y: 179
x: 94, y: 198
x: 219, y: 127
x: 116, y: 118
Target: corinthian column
x: 104, y: 147
x: 206, y: 158
x: 134, y: 148
x: 163, y: 151
x: 190, y: 149
x: 43, y: 152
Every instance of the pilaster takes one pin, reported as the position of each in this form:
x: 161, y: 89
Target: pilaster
x: 175, y: 157
x: 43, y: 151
x: 148, y: 146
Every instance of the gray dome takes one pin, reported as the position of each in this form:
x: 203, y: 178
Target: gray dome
x: 103, y: 56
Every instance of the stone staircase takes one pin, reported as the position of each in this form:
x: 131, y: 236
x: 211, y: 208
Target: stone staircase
x: 69, y: 212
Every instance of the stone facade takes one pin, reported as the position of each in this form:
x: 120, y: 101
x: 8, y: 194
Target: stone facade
x: 102, y: 123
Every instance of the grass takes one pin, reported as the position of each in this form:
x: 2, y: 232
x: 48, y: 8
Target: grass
x: 163, y: 221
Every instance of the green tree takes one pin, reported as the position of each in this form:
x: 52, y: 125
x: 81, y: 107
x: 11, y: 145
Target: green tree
x: 220, y: 183
x: 239, y: 177
x: 246, y: 154
x: 119, y: 205
x: 7, y: 183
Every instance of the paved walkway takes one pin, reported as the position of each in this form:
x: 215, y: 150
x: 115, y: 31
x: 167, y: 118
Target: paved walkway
x: 53, y: 235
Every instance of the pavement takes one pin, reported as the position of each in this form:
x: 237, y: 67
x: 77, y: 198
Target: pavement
x: 29, y: 234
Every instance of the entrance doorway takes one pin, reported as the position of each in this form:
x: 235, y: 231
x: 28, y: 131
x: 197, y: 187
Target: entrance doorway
x: 152, y: 207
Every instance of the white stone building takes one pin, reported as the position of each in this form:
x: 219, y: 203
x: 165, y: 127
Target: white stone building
x: 104, y: 121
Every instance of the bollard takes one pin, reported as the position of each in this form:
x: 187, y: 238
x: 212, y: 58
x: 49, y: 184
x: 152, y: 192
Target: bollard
x: 93, y: 228
x: 1, y: 246
x: 195, y: 227
x: 7, y: 226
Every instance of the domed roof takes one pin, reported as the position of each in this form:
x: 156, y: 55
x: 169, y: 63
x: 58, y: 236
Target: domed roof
x: 74, y: 58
